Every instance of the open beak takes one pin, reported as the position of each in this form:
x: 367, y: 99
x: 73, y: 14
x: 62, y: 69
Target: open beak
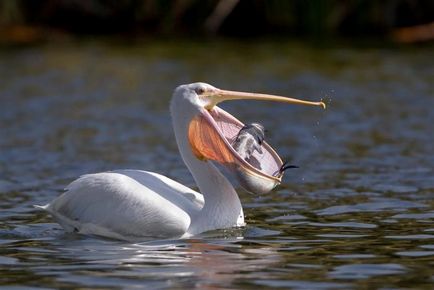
x: 212, y: 132
x: 224, y: 95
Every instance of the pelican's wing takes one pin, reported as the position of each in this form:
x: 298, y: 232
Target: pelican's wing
x: 126, y: 204
x: 188, y: 197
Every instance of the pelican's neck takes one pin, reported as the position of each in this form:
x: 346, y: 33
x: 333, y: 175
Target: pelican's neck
x: 222, y: 207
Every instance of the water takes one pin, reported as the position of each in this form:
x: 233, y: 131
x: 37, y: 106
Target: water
x: 357, y: 214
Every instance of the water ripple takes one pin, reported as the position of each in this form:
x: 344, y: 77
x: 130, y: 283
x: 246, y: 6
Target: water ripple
x: 364, y: 271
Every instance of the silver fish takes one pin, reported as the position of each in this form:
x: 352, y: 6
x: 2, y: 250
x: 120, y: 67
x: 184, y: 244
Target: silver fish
x: 249, y: 139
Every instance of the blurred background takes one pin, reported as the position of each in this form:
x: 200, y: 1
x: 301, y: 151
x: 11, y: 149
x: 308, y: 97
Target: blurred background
x: 27, y: 21
x: 85, y: 87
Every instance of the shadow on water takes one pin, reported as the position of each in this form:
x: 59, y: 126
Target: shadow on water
x: 357, y: 214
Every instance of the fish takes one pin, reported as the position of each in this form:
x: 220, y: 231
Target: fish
x: 284, y: 166
x: 249, y: 139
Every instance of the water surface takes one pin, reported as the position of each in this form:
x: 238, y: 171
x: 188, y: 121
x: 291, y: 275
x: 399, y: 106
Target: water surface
x: 357, y: 214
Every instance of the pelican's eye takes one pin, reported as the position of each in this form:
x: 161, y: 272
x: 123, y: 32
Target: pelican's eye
x: 199, y: 91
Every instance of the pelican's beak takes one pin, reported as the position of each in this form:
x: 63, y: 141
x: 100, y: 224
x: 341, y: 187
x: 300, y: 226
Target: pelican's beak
x: 212, y: 132
x: 219, y: 96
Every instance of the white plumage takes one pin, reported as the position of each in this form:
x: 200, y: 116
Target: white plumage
x: 134, y: 204
x: 126, y: 204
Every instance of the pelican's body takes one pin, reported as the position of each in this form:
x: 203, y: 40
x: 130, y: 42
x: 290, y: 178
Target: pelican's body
x: 131, y: 205
x: 135, y: 204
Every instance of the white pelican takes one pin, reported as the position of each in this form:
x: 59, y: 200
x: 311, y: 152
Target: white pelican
x: 135, y: 204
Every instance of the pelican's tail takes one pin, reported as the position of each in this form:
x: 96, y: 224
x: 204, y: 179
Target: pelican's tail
x: 63, y: 221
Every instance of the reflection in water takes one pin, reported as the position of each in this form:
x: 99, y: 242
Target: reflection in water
x: 358, y: 212
x: 218, y: 267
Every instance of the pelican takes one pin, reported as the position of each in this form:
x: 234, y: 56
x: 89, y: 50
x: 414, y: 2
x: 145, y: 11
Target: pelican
x: 135, y: 205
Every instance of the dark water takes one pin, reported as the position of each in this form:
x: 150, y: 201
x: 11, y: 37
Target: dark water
x: 359, y: 212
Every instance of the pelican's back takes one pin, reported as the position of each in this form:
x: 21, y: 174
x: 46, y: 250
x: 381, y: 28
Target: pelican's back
x: 126, y: 204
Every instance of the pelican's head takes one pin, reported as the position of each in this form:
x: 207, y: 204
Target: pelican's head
x: 206, y: 96
x: 211, y: 131
x: 195, y: 94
